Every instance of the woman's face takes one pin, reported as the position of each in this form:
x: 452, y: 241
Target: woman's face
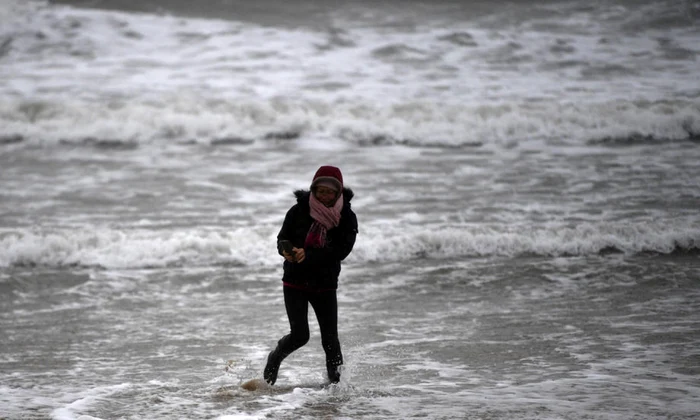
x: 325, y: 195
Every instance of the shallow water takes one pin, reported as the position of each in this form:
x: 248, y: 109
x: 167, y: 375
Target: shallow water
x: 525, y: 181
x: 596, y: 337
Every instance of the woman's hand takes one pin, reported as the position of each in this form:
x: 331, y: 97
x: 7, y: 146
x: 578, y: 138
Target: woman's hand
x: 299, y: 253
x: 298, y: 256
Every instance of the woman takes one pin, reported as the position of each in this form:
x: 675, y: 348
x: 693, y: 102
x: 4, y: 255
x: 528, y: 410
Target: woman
x: 321, y: 228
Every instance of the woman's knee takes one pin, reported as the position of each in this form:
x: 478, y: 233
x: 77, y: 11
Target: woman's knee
x: 299, y: 338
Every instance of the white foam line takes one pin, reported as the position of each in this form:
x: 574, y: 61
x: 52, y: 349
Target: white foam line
x: 69, y: 411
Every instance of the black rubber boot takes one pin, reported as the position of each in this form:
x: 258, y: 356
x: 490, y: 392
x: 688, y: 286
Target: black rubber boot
x: 333, y: 372
x: 274, y: 360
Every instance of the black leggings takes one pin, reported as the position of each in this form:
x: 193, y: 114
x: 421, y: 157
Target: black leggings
x: 325, y: 306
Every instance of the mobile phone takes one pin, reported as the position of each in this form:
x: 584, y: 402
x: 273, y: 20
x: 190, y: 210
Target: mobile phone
x: 287, y: 246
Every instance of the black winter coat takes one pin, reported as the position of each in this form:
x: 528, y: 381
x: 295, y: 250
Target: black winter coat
x: 321, y: 267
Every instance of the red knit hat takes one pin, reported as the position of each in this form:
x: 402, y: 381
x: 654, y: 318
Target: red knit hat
x: 329, y: 176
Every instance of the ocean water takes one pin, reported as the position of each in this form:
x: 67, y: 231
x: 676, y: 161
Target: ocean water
x: 526, y: 185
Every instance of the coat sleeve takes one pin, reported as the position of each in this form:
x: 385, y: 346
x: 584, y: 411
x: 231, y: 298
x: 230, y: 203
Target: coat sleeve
x: 347, y: 240
x: 287, y: 231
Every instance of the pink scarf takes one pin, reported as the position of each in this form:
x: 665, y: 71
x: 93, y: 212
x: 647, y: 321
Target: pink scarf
x: 324, y: 218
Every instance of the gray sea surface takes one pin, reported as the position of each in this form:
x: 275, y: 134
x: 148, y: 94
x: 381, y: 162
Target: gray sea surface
x: 525, y: 179
x: 598, y: 337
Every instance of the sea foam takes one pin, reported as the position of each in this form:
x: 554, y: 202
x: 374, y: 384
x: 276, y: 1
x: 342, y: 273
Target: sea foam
x: 81, y: 76
x: 190, y: 119
x: 111, y: 248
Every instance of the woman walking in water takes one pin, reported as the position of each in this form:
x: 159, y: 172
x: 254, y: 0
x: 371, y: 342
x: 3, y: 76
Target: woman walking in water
x: 317, y: 234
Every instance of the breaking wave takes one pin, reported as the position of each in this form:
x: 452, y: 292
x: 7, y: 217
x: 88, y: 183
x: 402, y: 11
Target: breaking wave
x: 192, y: 120
x: 124, y: 249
